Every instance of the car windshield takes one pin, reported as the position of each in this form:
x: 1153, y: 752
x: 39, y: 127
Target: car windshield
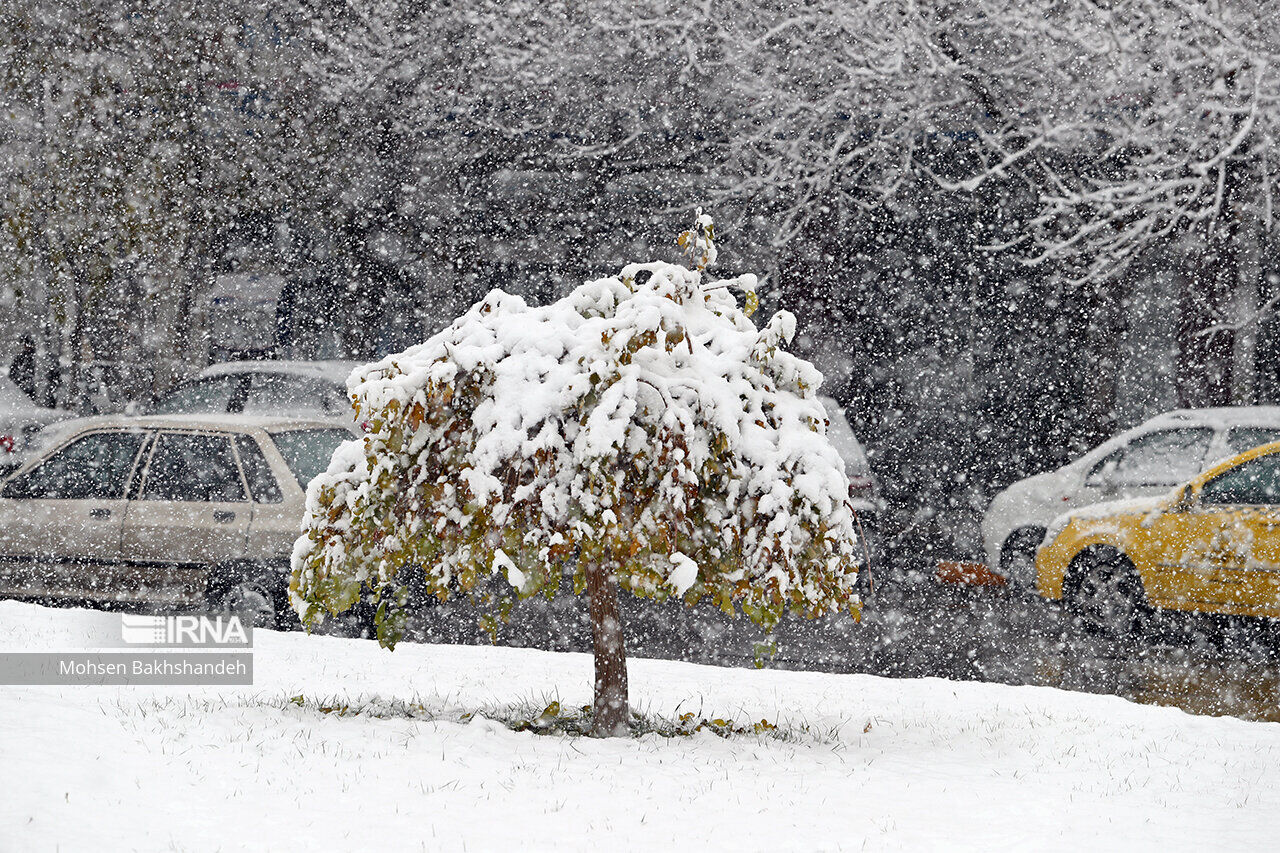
x: 1253, y: 483
x: 307, y: 451
x: 204, y: 396
x: 1241, y: 439
x: 279, y: 392
x: 1162, y: 458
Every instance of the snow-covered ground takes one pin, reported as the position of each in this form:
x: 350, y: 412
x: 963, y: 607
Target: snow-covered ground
x: 867, y: 762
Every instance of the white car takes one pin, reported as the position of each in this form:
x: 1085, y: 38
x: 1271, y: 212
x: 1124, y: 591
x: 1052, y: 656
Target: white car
x: 20, y: 421
x: 1147, y: 460
x: 303, y: 388
x: 864, y: 490
x: 171, y: 512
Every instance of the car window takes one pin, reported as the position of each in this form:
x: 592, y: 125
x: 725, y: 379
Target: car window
x: 275, y: 392
x: 94, y: 467
x: 204, y: 396
x: 186, y: 467
x: 307, y: 451
x: 1241, y: 439
x: 1162, y: 458
x: 262, y: 483
x: 1256, y: 482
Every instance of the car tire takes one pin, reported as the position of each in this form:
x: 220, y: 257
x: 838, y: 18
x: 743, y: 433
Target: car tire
x: 251, y: 598
x: 1106, y: 595
x: 258, y: 590
x: 1018, y: 557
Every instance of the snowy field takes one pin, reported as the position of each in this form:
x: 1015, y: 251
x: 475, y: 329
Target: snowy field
x: 864, y: 762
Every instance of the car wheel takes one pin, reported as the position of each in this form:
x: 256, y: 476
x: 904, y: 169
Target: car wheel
x: 1107, y: 595
x: 252, y: 600
x: 1018, y: 557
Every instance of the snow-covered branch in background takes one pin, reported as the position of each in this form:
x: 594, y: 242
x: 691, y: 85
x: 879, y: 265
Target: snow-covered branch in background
x: 1163, y: 117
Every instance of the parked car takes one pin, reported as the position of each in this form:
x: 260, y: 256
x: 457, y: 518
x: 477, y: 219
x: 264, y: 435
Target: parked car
x: 864, y: 488
x: 1147, y: 460
x: 20, y: 422
x: 303, y: 388
x: 1211, y: 545
x: 164, y: 511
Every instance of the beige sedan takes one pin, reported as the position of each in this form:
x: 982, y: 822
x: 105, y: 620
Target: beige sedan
x: 169, y: 512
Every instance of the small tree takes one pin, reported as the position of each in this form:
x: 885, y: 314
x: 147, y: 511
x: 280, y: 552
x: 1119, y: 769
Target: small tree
x: 641, y: 432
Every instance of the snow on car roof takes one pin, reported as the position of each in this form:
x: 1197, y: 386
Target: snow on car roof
x: 1223, y: 416
x: 336, y: 370
x: 218, y: 421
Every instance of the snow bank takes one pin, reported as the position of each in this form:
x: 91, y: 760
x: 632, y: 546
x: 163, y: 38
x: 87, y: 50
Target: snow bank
x: 889, y: 764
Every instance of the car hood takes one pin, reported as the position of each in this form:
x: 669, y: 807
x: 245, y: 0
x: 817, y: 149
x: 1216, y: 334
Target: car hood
x: 1038, y: 490
x: 1100, y: 512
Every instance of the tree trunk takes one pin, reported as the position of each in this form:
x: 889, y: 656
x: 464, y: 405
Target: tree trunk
x: 610, y: 713
x: 1246, y: 303
x: 1204, y: 361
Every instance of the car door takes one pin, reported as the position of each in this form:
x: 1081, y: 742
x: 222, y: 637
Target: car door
x: 61, y: 521
x: 1149, y: 464
x: 1230, y: 559
x: 191, y: 512
x: 277, y: 504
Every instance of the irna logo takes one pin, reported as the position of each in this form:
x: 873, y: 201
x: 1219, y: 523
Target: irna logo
x: 185, y: 630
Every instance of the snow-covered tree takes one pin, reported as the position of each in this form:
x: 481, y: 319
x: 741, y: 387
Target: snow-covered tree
x: 639, y: 433
x: 1145, y: 133
x: 1131, y: 119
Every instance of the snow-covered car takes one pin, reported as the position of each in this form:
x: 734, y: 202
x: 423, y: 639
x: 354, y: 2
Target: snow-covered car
x: 302, y: 388
x: 864, y: 489
x: 1209, y: 546
x: 164, y: 511
x: 20, y: 421
x: 1147, y: 460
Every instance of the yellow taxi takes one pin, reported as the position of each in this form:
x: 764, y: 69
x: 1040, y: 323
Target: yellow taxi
x: 1211, y: 545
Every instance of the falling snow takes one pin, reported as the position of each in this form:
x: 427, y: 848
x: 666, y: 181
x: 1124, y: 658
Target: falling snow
x: 981, y: 316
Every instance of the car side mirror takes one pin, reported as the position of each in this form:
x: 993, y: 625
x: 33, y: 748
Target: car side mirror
x: 1186, y: 500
